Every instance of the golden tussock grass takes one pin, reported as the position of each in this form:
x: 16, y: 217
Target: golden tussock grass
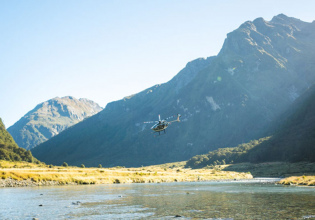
x: 299, y: 180
x: 151, y: 174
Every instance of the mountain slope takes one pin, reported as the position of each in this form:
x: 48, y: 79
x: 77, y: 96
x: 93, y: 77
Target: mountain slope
x: 224, y: 101
x: 294, y: 140
x: 50, y: 118
x: 9, y: 149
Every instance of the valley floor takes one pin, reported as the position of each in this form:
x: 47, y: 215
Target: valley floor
x: 24, y: 174
x: 20, y: 174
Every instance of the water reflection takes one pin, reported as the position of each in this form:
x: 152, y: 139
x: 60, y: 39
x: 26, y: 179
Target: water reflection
x: 227, y: 200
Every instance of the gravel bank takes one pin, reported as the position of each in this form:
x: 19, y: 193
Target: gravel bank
x: 9, y: 182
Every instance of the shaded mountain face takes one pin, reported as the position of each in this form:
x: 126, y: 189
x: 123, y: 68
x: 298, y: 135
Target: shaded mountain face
x: 50, y: 118
x: 9, y: 150
x: 293, y: 140
x: 224, y: 100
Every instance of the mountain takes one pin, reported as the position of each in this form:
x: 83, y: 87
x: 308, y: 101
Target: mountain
x: 9, y: 149
x: 50, y: 118
x: 293, y: 140
x: 224, y: 100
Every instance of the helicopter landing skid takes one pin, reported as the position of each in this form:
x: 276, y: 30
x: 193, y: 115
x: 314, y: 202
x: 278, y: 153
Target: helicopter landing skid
x: 158, y: 135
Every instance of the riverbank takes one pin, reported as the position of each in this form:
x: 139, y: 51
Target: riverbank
x: 299, y: 180
x: 25, y: 174
x: 273, y: 169
x: 301, y: 173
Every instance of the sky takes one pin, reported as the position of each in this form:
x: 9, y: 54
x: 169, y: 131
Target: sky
x: 105, y: 50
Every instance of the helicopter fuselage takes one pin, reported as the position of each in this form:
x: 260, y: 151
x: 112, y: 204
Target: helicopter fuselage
x: 160, y: 126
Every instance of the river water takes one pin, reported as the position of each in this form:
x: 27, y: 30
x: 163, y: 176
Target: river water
x: 255, y: 199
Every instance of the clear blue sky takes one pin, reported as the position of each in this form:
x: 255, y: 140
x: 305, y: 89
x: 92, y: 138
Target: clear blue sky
x: 105, y: 50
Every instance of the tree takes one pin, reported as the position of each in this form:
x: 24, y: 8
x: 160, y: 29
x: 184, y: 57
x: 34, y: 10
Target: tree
x: 82, y: 166
x: 100, y: 166
x: 65, y: 164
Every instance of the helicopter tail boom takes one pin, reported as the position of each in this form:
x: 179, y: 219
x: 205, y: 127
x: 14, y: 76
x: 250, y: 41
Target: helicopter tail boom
x: 178, y: 116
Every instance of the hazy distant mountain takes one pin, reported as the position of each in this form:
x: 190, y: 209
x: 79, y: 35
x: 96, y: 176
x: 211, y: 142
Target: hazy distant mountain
x: 224, y: 100
x: 9, y: 149
x: 50, y: 118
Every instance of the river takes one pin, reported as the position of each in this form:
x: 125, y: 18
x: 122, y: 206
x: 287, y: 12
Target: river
x: 254, y: 199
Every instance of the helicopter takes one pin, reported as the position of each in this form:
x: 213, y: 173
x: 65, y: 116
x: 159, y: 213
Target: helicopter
x: 161, y: 125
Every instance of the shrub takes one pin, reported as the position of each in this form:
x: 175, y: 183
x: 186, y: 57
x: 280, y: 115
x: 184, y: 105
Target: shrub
x: 116, y: 181
x: 65, y: 164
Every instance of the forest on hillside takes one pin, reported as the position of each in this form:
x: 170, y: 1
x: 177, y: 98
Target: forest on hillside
x: 224, y: 156
x: 9, y: 150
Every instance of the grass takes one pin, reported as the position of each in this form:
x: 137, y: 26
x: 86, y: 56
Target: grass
x: 173, y: 172
x: 299, y: 180
x: 297, y: 173
x: 20, y: 164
